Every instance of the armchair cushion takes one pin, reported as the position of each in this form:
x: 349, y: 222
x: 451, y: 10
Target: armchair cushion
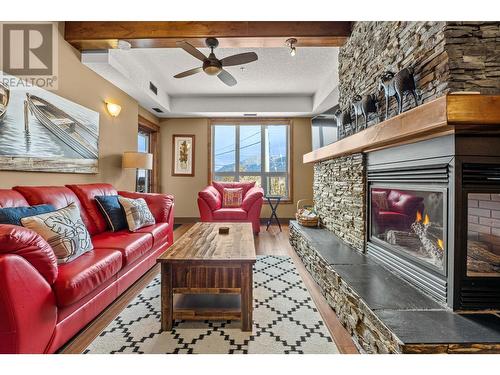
x: 245, y: 185
x: 230, y: 214
x: 212, y: 197
x: 32, y: 247
x: 232, y: 198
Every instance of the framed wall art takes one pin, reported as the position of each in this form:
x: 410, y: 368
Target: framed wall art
x: 41, y: 131
x: 183, y: 152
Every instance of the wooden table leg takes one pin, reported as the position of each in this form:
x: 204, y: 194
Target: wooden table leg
x: 246, y: 297
x: 167, y: 297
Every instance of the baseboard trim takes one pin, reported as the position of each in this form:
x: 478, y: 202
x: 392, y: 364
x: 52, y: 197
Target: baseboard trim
x: 263, y: 220
x: 186, y: 220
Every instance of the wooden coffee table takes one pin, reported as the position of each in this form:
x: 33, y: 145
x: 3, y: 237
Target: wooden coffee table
x: 203, y: 261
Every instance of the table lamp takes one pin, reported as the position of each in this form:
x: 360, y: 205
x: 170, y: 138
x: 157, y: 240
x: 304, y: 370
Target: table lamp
x: 137, y: 160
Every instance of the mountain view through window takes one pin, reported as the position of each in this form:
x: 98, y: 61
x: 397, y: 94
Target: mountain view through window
x: 252, y: 153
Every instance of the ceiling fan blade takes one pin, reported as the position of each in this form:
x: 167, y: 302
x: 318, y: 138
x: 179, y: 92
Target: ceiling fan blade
x: 191, y: 50
x: 189, y: 72
x: 239, y: 59
x: 227, y: 78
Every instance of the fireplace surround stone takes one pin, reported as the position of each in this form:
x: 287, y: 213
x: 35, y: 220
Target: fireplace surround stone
x: 385, y: 314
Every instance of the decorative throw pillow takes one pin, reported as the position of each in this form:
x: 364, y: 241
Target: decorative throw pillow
x: 112, y: 211
x: 13, y: 215
x: 232, y: 198
x: 245, y: 185
x: 137, y: 213
x: 63, y: 230
x: 380, y: 199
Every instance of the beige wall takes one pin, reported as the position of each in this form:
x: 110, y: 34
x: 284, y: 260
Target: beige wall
x: 81, y: 85
x: 185, y: 189
x: 148, y: 116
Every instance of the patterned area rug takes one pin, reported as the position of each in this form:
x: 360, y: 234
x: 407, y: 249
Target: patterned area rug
x: 285, y: 321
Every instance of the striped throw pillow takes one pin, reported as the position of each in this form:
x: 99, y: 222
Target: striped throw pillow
x: 232, y: 197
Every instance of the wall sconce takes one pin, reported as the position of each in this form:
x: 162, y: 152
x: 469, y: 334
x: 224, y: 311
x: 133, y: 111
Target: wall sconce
x: 291, y: 43
x: 113, y: 109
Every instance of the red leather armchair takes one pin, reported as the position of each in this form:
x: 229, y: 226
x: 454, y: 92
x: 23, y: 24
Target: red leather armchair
x: 211, y: 210
x: 43, y: 304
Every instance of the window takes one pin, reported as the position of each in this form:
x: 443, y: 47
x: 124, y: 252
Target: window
x: 253, y: 152
x: 143, y: 176
x: 147, y: 141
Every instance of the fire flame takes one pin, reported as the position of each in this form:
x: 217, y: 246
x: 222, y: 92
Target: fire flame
x: 426, y: 220
x: 441, y: 244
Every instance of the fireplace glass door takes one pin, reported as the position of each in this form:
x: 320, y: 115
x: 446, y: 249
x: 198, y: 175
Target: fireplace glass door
x: 410, y: 222
x: 483, y: 235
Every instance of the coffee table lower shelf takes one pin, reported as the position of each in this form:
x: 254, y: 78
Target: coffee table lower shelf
x: 207, y: 291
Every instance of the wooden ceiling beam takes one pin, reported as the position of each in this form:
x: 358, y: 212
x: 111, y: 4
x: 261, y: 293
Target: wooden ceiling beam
x: 96, y: 35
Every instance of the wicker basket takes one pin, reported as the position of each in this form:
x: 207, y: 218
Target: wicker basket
x: 303, y: 220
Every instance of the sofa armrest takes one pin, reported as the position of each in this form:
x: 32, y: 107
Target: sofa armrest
x: 160, y: 205
x: 27, y: 244
x: 28, y: 307
x: 253, y: 195
x: 28, y: 311
x: 212, y: 197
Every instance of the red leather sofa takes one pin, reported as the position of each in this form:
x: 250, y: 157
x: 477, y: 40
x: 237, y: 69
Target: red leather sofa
x: 211, y: 210
x: 400, y: 210
x: 42, y: 304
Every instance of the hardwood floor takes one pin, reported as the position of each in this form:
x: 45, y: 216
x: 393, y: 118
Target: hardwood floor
x: 272, y: 242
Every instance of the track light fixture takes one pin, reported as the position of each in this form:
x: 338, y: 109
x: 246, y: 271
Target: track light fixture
x: 291, y: 43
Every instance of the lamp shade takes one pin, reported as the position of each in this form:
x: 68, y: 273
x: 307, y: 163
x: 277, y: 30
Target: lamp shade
x: 113, y: 109
x: 137, y: 160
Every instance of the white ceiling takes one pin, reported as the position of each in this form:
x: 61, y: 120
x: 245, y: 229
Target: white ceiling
x: 277, y: 84
x: 275, y: 72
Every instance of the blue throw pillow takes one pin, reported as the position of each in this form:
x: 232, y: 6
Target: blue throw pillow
x: 13, y: 215
x: 112, y: 211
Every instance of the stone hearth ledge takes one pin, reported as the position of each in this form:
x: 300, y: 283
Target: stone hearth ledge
x: 383, y: 313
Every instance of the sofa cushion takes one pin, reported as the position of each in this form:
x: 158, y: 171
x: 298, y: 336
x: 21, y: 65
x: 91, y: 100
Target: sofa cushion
x: 79, y: 278
x: 131, y: 245
x: 13, y: 215
x: 57, y: 196
x: 32, y: 247
x: 86, y: 194
x: 160, y: 205
x: 228, y: 214
x: 137, y: 213
x: 232, y: 198
x: 12, y: 198
x: 159, y: 232
x: 245, y: 185
x: 112, y: 211
x: 63, y: 230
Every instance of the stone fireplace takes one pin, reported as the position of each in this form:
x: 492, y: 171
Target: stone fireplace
x: 431, y: 208
x: 409, y: 212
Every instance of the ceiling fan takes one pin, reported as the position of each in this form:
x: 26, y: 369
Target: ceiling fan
x: 211, y: 64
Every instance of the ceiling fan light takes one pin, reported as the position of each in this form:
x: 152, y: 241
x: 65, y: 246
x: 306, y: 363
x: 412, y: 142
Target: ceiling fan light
x: 293, y: 51
x: 212, y: 70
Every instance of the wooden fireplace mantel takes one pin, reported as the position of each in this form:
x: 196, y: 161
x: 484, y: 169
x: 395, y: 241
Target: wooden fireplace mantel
x: 450, y: 114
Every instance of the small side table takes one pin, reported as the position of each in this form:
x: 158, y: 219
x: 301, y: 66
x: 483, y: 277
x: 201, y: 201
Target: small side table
x: 274, y: 207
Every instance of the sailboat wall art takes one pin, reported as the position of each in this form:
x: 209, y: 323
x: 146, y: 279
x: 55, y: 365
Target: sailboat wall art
x: 41, y: 131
